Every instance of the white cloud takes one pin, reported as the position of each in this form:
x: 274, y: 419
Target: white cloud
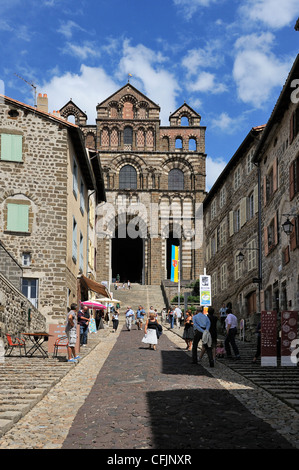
x: 87, y: 88
x: 67, y: 28
x: 214, y: 167
x: 257, y: 71
x: 208, y: 56
x: 273, y: 13
x: 189, y: 7
x: 82, y: 52
x: 226, y: 124
x: 206, y: 82
x: 159, y: 84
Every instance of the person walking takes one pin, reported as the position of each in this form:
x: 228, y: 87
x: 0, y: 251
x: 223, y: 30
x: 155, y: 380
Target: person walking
x: 129, y: 318
x: 201, y: 323
x: 178, y: 316
x: 188, y: 333
x: 223, y: 315
x: 171, y: 317
x: 231, y: 324
x: 71, y: 333
x: 150, y: 331
x: 115, y: 320
x: 83, y: 321
x: 213, y: 332
x: 140, y: 317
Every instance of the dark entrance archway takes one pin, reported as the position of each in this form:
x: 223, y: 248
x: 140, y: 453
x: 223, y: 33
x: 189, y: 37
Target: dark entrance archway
x: 127, y: 258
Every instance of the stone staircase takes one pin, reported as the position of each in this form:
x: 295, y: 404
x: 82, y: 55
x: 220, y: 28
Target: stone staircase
x: 140, y: 295
x: 25, y: 381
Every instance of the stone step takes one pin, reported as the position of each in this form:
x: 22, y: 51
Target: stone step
x: 25, y: 381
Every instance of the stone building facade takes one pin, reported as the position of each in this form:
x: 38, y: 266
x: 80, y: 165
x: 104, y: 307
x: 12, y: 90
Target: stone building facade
x: 277, y: 157
x: 231, y: 227
x: 155, y: 184
x: 45, y: 179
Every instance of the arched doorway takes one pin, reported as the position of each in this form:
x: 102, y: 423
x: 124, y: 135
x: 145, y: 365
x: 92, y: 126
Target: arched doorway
x: 127, y: 257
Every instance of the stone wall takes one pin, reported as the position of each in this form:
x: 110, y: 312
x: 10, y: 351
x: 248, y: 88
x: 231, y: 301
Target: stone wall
x: 17, y: 314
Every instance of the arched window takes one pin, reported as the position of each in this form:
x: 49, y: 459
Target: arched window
x: 128, y: 135
x: 128, y: 177
x: 192, y: 144
x: 184, y: 121
x: 179, y: 144
x: 175, y: 179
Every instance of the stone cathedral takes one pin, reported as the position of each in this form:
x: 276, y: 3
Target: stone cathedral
x: 155, y: 184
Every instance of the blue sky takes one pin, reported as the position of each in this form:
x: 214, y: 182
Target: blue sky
x: 227, y: 59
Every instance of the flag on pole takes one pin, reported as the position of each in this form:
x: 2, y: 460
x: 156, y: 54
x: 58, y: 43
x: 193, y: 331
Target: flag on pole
x: 174, y: 263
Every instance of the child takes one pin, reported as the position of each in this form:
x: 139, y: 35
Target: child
x: 220, y: 350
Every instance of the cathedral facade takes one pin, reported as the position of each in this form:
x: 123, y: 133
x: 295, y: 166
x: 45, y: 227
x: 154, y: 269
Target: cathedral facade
x: 155, y: 185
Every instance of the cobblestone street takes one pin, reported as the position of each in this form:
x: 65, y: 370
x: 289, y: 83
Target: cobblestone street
x: 124, y: 396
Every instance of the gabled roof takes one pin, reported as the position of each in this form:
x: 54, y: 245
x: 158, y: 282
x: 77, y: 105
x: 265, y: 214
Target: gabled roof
x: 185, y: 105
x: 74, y: 132
x: 134, y: 91
x: 71, y: 103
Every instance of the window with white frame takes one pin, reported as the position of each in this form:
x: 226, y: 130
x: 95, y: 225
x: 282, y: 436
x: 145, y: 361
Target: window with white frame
x: 250, y: 207
x: 237, y: 220
x: 214, y: 284
x: 213, y: 209
x: 75, y: 178
x: 26, y: 259
x: 237, y: 178
x: 251, y: 255
x: 249, y: 162
x: 222, y: 233
x: 222, y: 197
x: 75, y: 245
x: 237, y: 268
x: 223, y: 276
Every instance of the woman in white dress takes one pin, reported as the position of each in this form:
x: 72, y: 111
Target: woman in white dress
x: 150, y: 330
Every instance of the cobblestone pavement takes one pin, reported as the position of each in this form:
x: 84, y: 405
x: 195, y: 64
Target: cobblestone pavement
x: 125, y: 396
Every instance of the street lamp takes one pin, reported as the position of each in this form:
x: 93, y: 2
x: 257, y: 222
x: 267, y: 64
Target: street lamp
x: 240, y: 257
x: 287, y: 227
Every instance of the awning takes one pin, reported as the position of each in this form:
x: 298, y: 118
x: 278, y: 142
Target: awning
x: 94, y: 286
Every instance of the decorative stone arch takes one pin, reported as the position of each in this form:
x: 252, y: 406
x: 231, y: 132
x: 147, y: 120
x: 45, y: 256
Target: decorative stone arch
x: 134, y: 160
x: 113, y: 109
x: 142, y: 110
x: 90, y: 139
x: 177, y: 162
x: 70, y: 109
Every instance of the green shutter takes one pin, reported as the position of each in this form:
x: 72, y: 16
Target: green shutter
x: 18, y: 217
x: 11, y: 147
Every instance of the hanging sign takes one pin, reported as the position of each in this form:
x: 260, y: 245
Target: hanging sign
x: 289, y: 320
x: 269, y: 338
x: 205, y: 295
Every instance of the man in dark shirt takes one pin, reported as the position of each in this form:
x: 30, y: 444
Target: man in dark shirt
x: 83, y: 321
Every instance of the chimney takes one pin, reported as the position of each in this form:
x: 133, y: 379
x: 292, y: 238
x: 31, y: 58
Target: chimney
x: 42, y: 102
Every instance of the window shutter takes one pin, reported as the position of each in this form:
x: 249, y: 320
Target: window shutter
x: 17, y: 217
x: 275, y: 175
x: 11, y: 147
x: 74, y: 239
x: 293, y: 236
x: 266, y: 248
x: 292, y: 128
x: 292, y: 181
x: 256, y: 199
x: 275, y: 230
x: 243, y: 211
x: 231, y: 223
x: 265, y: 190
